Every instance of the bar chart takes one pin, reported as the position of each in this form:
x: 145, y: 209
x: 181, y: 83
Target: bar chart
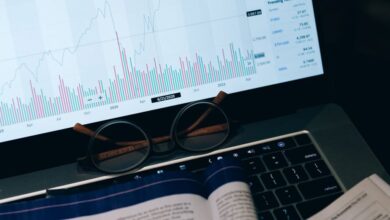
x: 130, y: 82
x: 68, y: 61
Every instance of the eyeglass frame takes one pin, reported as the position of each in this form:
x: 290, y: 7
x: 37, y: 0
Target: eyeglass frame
x: 150, y: 141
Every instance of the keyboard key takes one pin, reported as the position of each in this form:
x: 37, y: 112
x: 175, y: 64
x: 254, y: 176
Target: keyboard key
x: 265, y: 216
x: 285, y: 143
x: 253, y: 165
x: 235, y: 154
x: 286, y: 213
x: 266, y: 148
x: 230, y: 154
x: 248, y: 152
x: 319, y: 187
x: 273, y: 146
x: 317, y: 169
x: 288, y: 195
x: 265, y: 201
x: 183, y: 167
x: 275, y: 161
x: 255, y: 184
x: 223, y: 156
x: 311, y: 207
x: 295, y: 174
x: 303, y: 139
x: 302, y: 154
x: 273, y: 180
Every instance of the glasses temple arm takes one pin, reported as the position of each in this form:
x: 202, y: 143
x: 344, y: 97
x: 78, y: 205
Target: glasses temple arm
x: 86, y: 131
x: 137, y: 145
x: 217, y: 100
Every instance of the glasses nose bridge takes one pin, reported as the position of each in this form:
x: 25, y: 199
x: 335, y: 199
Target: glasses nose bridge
x: 125, y: 144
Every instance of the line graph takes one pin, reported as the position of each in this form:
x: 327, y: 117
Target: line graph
x: 125, y: 78
x: 105, y: 12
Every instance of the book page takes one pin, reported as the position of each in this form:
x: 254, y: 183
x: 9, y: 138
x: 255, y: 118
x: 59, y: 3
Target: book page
x: 232, y: 201
x: 178, y: 207
x: 228, y: 193
x: 368, y: 200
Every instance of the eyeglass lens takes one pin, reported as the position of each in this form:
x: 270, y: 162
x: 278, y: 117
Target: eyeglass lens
x: 118, y: 147
x: 200, y: 127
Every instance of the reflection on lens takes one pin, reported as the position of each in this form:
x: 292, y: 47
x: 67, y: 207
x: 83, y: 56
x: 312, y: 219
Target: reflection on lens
x: 118, y: 146
x: 200, y: 127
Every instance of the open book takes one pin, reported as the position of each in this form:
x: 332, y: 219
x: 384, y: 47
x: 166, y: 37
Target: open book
x: 221, y: 193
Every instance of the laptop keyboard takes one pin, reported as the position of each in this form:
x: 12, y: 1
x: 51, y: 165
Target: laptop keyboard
x: 288, y: 177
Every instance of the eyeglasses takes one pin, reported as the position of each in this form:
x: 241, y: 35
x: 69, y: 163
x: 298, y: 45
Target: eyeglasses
x: 120, y: 146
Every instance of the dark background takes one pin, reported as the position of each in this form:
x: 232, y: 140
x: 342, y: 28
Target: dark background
x: 356, y: 37
x: 355, y: 41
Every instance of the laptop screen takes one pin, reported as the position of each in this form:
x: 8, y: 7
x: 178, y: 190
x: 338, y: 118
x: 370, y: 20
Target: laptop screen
x: 63, y: 62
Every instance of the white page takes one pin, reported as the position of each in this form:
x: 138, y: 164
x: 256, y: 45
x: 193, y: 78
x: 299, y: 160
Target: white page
x: 232, y: 201
x: 229, y: 202
x: 178, y: 207
x: 368, y: 200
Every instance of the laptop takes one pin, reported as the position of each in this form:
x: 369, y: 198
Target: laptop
x: 90, y: 62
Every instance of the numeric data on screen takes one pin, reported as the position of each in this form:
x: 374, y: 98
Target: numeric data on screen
x: 69, y: 61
